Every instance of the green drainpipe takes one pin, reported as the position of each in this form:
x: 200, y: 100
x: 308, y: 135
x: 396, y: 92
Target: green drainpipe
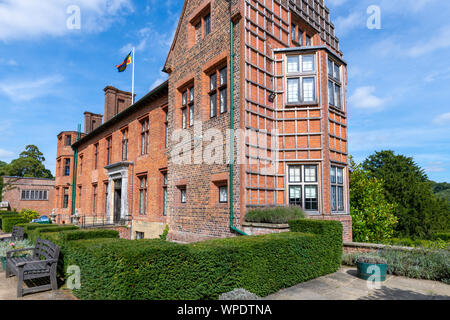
x: 232, y: 227
x: 74, y: 175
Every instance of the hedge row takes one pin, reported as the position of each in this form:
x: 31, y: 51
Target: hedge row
x: 36, y: 233
x: 7, y: 214
x: 442, y: 236
x: 9, y: 222
x: 159, y: 270
x: 274, y: 215
x: 62, y: 239
x: 66, y: 235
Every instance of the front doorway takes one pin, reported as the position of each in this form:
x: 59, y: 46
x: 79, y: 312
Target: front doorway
x: 117, y: 200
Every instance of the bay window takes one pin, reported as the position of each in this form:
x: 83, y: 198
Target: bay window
x: 301, y: 79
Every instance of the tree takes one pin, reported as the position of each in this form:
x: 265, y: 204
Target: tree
x: 373, y: 217
x: 2, y: 173
x: 405, y: 184
x: 29, y: 164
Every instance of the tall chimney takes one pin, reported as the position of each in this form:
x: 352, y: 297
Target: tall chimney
x: 92, y: 121
x: 116, y: 101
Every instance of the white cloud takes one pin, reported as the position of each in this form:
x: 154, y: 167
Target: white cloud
x: 26, y: 90
x: 439, y: 41
x: 364, y: 98
x: 334, y: 3
x: 442, y: 119
x: 345, y: 24
x: 25, y: 19
x: 437, y: 166
x: 6, y: 154
x: 438, y: 75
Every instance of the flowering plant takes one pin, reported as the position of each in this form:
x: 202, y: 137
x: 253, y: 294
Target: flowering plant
x: 8, y: 246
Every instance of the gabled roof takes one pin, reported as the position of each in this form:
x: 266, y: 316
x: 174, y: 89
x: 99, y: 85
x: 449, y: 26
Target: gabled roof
x: 176, y: 35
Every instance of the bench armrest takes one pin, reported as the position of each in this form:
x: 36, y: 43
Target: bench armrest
x: 8, y: 253
x: 48, y: 261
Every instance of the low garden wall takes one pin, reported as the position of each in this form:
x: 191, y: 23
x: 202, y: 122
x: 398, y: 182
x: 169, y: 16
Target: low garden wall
x: 357, y: 247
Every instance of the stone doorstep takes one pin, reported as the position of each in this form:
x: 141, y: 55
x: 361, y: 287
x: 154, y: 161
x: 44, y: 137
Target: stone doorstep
x: 265, y: 225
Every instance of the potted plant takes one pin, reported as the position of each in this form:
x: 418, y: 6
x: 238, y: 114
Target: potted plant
x: 371, y: 266
x: 8, y: 246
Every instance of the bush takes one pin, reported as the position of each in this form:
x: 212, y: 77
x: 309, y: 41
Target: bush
x: 33, y: 235
x: 372, y: 216
x: 419, y: 264
x: 371, y: 260
x: 159, y: 270
x: 9, y: 222
x: 274, y: 215
x: 445, y: 236
x: 7, y: 214
x: 29, y: 214
x: 30, y: 227
x: 430, y: 244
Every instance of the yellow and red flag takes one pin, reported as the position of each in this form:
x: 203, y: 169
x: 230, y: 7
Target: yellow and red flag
x: 123, y: 66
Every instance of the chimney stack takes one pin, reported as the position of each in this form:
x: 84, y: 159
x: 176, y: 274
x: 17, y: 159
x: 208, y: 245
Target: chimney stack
x: 92, y: 121
x: 116, y: 101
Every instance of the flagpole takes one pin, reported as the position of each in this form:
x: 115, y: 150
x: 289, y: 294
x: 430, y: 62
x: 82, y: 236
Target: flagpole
x: 132, y: 82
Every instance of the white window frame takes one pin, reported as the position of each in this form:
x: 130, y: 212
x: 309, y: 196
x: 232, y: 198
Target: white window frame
x: 336, y: 185
x: 303, y: 184
x: 301, y: 75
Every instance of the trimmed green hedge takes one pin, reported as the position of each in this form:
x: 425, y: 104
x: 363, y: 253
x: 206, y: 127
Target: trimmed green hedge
x: 274, y: 215
x: 445, y: 236
x: 159, y: 270
x: 30, y: 227
x: 9, y: 222
x: 63, y: 236
x: 7, y: 214
x: 36, y: 233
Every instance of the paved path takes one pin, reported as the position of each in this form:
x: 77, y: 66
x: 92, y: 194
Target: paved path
x: 8, y: 291
x: 344, y: 285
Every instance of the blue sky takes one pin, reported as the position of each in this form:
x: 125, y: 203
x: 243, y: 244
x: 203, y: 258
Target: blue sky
x: 398, y: 93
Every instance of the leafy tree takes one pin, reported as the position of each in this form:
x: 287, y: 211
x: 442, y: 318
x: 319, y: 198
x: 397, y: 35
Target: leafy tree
x: 419, y: 211
x: 440, y: 186
x: 29, y: 164
x: 373, y: 216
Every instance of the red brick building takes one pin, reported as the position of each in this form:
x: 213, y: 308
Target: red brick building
x: 29, y: 193
x: 265, y: 74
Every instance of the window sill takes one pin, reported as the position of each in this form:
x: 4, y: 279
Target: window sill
x: 302, y: 104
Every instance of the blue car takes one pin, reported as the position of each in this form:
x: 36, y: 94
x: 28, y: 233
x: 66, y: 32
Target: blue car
x: 42, y: 220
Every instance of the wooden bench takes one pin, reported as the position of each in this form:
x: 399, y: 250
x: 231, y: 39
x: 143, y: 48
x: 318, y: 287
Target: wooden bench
x: 41, y: 264
x: 17, y: 234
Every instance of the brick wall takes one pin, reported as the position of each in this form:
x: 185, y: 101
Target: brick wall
x: 13, y: 196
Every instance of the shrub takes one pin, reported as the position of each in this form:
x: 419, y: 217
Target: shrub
x: 33, y: 235
x: 430, y: 244
x: 62, y: 238
x: 372, y: 216
x: 9, y: 222
x: 445, y: 236
x: 156, y: 269
x: 6, y: 246
x: 7, y: 214
x: 163, y: 236
x: 371, y: 260
x: 30, y: 227
x: 274, y: 215
x: 29, y: 214
x: 419, y: 264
